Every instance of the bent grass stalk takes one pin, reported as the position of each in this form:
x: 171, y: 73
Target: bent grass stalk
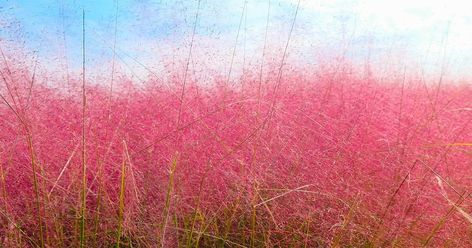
x: 442, y: 220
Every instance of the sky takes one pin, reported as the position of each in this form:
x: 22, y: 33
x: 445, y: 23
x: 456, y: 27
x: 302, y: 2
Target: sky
x: 431, y: 34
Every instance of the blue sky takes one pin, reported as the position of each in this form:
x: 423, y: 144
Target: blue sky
x: 431, y: 31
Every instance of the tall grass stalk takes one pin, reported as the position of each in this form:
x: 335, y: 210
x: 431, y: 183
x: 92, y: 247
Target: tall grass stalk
x: 122, y: 201
x: 196, y: 212
x: 168, y: 199
x: 37, y: 192
x: 83, y: 207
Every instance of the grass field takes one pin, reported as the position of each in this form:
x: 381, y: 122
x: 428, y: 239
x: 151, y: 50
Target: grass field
x: 331, y: 157
x: 213, y: 124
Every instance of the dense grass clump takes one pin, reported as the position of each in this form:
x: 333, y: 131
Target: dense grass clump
x: 309, y: 160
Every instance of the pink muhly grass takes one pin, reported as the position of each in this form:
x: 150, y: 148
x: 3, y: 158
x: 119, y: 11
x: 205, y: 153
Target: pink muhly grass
x: 350, y: 163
